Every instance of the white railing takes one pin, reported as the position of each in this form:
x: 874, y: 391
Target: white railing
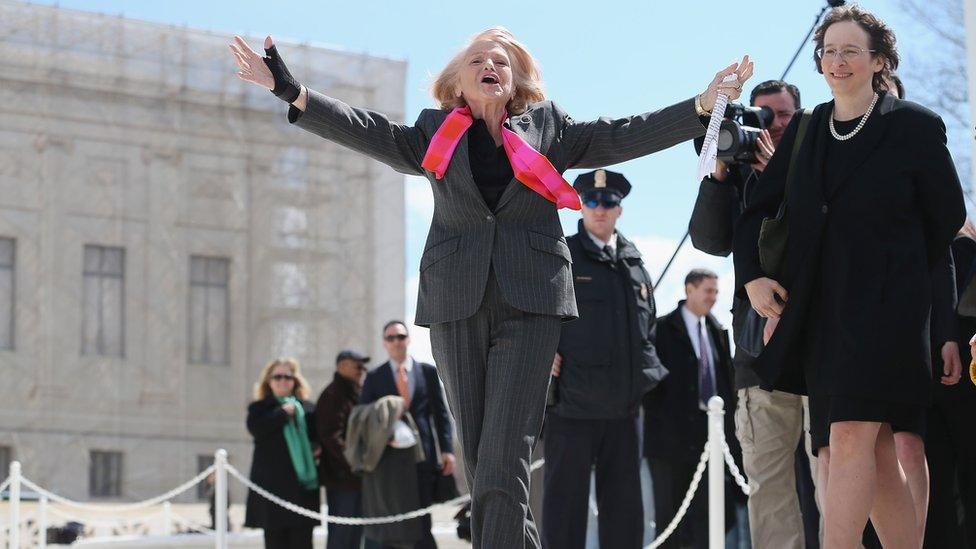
x: 715, y: 455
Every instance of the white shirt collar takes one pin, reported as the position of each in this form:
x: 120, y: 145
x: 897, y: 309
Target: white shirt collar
x: 407, y: 363
x: 692, y: 321
x: 600, y: 244
x: 694, y: 324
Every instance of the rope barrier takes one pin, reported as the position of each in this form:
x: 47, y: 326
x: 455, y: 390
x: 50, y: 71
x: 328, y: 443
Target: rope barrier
x: 124, y: 507
x: 349, y: 521
x: 353, y: 521
x: 740, y: 479
x: 685, y: 503
x: 323, y: 517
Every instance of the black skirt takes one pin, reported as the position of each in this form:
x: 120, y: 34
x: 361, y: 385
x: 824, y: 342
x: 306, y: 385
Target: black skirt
x: 826, y: 409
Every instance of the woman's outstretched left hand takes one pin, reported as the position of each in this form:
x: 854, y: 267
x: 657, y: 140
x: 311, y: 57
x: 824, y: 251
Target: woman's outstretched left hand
x: 732, y: 88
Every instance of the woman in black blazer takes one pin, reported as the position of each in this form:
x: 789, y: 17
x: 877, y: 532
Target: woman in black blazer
x: 273, y: 464
x: 872, y: 207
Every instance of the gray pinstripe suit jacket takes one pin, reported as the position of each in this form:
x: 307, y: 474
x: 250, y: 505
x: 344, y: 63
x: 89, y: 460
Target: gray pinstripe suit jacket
x: 522, y: 239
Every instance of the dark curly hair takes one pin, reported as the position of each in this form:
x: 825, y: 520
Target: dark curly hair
x: 881, y: 39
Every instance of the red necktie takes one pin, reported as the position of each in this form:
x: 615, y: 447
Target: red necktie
x: 403, y: 385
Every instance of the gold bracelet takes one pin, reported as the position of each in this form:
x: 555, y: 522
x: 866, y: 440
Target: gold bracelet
x: 698, y: 107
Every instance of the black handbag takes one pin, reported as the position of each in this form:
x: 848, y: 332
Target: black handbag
x: 747, y: 326
x: 445, y: 487
x: 775, y: 232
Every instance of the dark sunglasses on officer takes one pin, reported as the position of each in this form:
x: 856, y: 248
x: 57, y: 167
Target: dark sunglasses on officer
x: 606, y: 199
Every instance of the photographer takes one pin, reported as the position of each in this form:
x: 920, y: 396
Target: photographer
x: 768, y: 424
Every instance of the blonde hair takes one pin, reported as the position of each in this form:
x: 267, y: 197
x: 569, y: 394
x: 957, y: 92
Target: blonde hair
x: 526, y: 74
x: 263, y: 387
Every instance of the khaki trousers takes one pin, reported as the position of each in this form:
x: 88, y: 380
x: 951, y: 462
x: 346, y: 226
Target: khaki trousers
x: 769, y: 426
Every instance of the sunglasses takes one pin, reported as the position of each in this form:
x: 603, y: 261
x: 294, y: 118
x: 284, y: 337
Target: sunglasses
x: 283, y: 377
x: 395, y: 337
x: 608, y: 201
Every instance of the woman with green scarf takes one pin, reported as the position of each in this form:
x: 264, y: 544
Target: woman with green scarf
x: 282, y: 422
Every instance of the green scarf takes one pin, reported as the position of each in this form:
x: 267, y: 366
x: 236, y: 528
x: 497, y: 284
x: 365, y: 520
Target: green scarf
x: 299, y: 448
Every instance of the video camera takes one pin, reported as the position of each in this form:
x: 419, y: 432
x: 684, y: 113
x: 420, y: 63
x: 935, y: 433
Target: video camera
x: 739, y: 134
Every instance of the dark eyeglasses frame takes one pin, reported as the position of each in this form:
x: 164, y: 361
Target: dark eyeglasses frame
x: 283, y: 377
x: 395, y: 337
x: 608, y: 204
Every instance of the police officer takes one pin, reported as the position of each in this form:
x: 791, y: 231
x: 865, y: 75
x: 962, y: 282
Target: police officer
x: 604, y: 365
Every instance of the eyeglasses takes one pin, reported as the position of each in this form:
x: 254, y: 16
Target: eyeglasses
x: 847, y: 53
x: 607, y: 200
x: 395, y: 337
x: 283, y: 377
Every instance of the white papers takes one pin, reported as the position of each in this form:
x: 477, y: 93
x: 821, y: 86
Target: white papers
x: 403, y: 435
x: 709, y: 151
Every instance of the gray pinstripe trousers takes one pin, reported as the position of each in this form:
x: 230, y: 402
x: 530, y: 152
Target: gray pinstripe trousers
x: 495, y: 366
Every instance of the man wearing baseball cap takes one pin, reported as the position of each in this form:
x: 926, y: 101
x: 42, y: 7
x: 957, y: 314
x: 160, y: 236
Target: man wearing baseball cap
x: 342, y: 487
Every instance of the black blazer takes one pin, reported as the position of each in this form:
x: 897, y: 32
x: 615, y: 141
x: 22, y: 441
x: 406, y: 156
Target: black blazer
x: 863, y: 250
x: 272, y: 470
x: 675, y: 427
x: 426, y: 401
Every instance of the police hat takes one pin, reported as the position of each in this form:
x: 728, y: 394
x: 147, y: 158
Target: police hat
x: 602, y: 181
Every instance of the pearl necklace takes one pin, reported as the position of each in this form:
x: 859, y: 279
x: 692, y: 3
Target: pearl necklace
x: 864, y: 119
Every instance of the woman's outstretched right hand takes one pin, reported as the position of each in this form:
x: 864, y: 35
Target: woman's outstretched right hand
x: 268, y: 71
x: 763, y: 293
x: 251, y: 64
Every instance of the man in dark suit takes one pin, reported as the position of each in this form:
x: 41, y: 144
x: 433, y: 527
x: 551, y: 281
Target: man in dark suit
x: 694, y: 348
x: 605, y: 364
x: 949, y: 442
x: 343, y: 491
x: 420, y: 386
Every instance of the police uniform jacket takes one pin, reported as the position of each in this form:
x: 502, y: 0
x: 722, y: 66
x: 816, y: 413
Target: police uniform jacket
x: 609, y: 360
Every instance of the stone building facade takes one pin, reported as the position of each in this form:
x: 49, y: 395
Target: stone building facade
x: 164, y: 232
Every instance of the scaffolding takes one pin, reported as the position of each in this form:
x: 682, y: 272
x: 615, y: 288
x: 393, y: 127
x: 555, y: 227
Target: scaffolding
x: 126, y: 134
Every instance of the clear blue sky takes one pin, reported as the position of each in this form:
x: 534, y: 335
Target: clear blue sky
x: 598, y: 58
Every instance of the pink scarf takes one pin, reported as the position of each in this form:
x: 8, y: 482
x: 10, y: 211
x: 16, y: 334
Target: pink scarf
x: 530, y: 167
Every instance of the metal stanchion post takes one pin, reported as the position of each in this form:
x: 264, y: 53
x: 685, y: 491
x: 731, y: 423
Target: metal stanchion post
x: 14, y: 538
x: 220, y: 501
x: 167, y: 518
x: 42, y: 523
x: 716, y: 474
